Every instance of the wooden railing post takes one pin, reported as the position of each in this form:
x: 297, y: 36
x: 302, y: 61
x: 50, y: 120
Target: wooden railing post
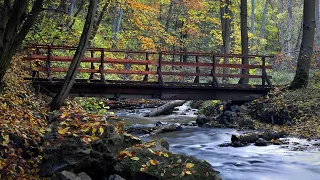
x: 146, y: 78
x: 48, y: 61
x: 213, y: 72
x: 92, y: 65
x: 196, y: 80
x: 160, y: 79
x: 101, y: 67
x: 264, y: 73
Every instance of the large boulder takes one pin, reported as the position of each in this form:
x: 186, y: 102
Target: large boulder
x: 82, y: 143
x: 261, y: 142
x: 150, y: 161
x: 202, y: 119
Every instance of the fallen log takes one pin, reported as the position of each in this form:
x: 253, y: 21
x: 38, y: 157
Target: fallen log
x: 164, y: 109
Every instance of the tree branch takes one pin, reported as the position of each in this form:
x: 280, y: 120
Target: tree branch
x: 55, y: 10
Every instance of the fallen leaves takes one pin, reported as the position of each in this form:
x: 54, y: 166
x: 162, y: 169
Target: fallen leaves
x: 22, y: 117
x: 189, y: 165
x: 153, y: 162
x: 135, y: 158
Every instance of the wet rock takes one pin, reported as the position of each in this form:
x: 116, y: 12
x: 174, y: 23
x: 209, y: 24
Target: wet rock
x: 261, y: 142
x: 245, y: 138
x: 202, y: 119
x: 169, y: 128
x: 254, y: 136
x: 115, y: 177
x: 66, y: 175
x: 272, y: 135
x: 246, y: 123
x: 238, y: 144
x: 176, y: 109
x: 225, y: 145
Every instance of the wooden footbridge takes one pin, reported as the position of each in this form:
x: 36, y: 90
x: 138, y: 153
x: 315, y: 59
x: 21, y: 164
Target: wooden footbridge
x: 149, y: 74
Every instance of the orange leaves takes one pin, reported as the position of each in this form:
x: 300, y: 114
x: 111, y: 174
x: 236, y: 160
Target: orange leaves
x: 124, y: 154
x: 76, y: 123
x: 153, y: 162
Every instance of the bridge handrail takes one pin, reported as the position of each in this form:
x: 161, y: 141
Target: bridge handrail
x: 159, y: 63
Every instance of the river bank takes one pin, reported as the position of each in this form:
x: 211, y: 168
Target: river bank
x: 294, y: 112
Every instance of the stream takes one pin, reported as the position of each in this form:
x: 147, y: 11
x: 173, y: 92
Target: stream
x: 245, y: 163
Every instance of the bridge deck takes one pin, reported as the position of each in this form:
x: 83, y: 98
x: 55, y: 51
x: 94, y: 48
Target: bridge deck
x: 168, y: 91
x: 199, y: 79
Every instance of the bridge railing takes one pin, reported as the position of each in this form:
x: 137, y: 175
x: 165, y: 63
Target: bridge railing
x: 156, y: 64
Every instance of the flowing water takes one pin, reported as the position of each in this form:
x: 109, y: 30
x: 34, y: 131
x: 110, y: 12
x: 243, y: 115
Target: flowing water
x: 244, y: 163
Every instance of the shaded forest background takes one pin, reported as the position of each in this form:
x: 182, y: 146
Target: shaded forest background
x: 275, y: 27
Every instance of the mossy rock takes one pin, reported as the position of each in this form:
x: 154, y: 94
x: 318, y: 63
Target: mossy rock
x: 144, y: 162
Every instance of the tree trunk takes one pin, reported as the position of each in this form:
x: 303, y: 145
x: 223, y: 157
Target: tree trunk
x: 290, y: 27
x: 169, y: 16
x: 244, y: 39
x: 298, y: 44
x: 262, y: 29
x: 98, y: 22
x: 117, y: 28
x: 14, y: 26
x: 281, y: 27
x: 58, y: 100
x: 225, y: 12
x: 301, y: 78
x: 253, y: 30
x: 317, y: 23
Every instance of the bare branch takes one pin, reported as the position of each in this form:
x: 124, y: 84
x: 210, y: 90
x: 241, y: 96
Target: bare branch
x: 55, y: 10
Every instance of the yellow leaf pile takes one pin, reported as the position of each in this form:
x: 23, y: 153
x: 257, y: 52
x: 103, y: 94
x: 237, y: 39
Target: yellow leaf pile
x: 22, y: 116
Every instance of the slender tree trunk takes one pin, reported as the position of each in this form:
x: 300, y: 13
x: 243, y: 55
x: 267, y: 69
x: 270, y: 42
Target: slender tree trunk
x: 14, y: 26
x: 317, y: 23
x: 80, y: 8
x: 225, y: 15
x: 244, y: 39
x: 298, y: 44
x: 166, y: 28
x: 117, y: 27
x: 253, y: 30
x: 58, y: 100
x: 281, y: 27
x: 301, y: 78
x: 262, y: 29
x: 98, y: 22
x: 290, y: 27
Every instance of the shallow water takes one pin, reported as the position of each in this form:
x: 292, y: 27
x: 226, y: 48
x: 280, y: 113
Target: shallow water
x: 244, y: 163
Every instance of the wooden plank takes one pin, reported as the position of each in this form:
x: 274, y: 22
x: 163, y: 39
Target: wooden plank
x: 185, y: 74
x: 239, y: 76
x: 129, y: 72
x: 242, y: 66
x: 210, y: 75
x: 92, y: 60
x: 145, y: 62
x: 97, y: 71
x: 42, y: 69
